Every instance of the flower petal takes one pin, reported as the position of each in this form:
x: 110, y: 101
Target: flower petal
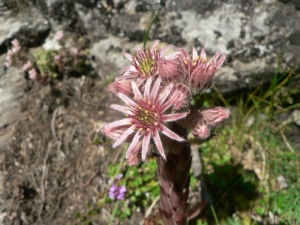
x: 133, y: 143
x: 127, y: 55
x: 118, y: 123
x: 146, y: 142
x: 163, y: 96
x: 173, y: 117
x: 166, y: 131
x: 136, y: 91
x: 155, y: 89
x: 122, y: 109
x: 123, y: 137
x: 127, y: 100
x: 147, y: 88
x: 158, y: 143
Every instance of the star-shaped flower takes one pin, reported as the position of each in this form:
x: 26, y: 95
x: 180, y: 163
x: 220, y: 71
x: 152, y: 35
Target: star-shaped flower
x: 145, y: 118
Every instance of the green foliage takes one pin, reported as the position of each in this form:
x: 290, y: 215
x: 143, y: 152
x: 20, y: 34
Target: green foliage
x: 142, y: 187
x: 242, y: 164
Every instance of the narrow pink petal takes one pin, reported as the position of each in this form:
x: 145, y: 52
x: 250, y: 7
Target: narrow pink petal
x: 133, y: 143
x: 195, y: 54
x: 155, y: 90
x: 203, y: 53
x: 163, y: 96
x: 165, y: 49
x: 127, y: 68
x: 147, y: 88
x: 127, y: 55
x: 165, y: 106
x: 127, y: 100
x: 158, y: 143
x: 122, y: 109
x: 118, y: 123
x: 155, y: 44
x: 123, y: 137
x: 136, y: 90
x: 214, y: 58
x: 221, y: 61
x: 173, y: 117
x: 166, y: 131
x: 146, y: 142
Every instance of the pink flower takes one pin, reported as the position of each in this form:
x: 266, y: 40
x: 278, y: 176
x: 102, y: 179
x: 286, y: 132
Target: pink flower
x: 74, y: 51
x: 145, y: 118
x: 27, y: 66
x: 201, y: 129
x: 32, y: 74
x: 59, y: 35
x: 16, y: 46
x: 150, y: 62
x: 199, y: 71
x: 57, y: 57
x: 8, y: 63
x: 182, y: 96
x: 215, y: 116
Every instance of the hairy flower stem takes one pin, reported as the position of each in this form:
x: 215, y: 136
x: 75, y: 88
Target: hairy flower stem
x: 173, y: 174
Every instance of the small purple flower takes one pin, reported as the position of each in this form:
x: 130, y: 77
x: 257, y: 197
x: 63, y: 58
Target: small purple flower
x: 116, y: 192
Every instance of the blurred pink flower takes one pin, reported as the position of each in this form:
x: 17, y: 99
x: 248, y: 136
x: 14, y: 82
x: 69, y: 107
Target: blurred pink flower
x: 57, y: 57
x: 16, y: 46
x: 198, y: 71
x: 59, y: 35
x: 145, y: 118
x: 215, y: 116
x: 150, y: 62
x: 8, y: 63
x: 74, y: 51
x: 32, y: 74
x: 27, y: 66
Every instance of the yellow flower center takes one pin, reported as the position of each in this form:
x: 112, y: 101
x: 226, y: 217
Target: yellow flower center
x: 146, y: 66
x: 147, y: 117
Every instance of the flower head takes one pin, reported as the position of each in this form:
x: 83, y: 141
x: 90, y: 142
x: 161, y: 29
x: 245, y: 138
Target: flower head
x: 59, y: 35
x: 150, y: 62
x: 27, y: 66
x: 198, y: 71
x: 117, y: 192
x: 33, y: 74
x: 145, y: 118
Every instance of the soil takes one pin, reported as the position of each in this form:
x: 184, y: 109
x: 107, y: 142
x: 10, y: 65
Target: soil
x: 52, y: 166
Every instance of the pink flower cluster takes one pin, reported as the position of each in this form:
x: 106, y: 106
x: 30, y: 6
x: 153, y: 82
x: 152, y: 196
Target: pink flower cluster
x: 157, y: 89
x: 16, y: 47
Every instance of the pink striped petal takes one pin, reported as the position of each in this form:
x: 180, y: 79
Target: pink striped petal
x: 158, y: 143
x: 118, y: 123
x: 155, y: 89
x: 133, y: 143
x: 166, y: 131
x: 155, y: 44
x: 173, y: 117
x: 146, y: 142
x: 123, y: 137
x: 122, y: 109
x: 127, y: 55
x: 203, y: 53
x: 195, y: 54
x: 165, y: 49
x: 147, y: 88
x: 127, y: 100
x: 221, y: 61
x: 165, y: 106
x: 136, y: 91
x: 163, y: 96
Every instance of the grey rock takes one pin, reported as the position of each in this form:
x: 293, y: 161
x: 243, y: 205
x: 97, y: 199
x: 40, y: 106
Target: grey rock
x: 12, y: 84
x: 30, y: 26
